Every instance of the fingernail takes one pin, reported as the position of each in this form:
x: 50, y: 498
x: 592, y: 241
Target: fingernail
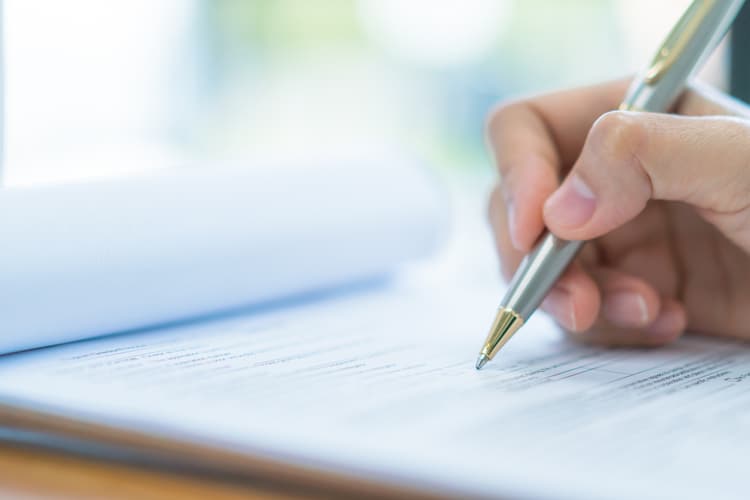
x: 625, y: 309
x: 666, y: 324
x: 512, y: 226
x: 559, y: 304
x: 572, y: 204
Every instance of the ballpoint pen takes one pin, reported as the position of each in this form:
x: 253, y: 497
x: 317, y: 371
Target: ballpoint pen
x: 691, y: 41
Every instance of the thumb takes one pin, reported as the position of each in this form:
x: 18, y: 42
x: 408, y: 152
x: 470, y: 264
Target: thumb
x: 631, y: 157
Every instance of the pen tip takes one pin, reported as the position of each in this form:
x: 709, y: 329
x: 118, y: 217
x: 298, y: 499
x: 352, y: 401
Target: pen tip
x: 481, y: 361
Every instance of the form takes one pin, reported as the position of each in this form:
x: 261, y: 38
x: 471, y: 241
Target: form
x: 381, y: 384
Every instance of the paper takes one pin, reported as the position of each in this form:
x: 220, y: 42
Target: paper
x: 94, y: 258
x: 382, y: 385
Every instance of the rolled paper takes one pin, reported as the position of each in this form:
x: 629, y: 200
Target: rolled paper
x: 92, y: 258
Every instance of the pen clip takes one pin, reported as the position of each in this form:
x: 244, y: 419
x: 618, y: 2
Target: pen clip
x: 678, y: 39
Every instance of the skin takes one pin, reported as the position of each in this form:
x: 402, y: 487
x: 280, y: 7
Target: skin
x: 664, y: 199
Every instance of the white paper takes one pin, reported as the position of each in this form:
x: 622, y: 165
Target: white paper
x: 382, y: 385
x: 85, y: 259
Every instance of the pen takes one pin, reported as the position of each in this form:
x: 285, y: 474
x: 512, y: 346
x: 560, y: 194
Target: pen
x: 691, y: 41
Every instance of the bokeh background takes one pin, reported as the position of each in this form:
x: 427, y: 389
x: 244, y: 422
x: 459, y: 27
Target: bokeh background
x: 100, y: 88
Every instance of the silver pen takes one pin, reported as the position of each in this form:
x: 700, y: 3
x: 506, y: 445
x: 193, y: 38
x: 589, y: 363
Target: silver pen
x: 691, y: 41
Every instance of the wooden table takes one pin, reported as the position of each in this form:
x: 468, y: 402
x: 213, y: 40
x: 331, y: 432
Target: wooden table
x: 38, y: 461
x: 31, y: 473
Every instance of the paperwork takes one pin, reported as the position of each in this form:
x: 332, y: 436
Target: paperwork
x: 93, y: 258
x: 381, y: 385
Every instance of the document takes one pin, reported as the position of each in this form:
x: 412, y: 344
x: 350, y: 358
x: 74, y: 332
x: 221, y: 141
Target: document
x: 381, y: 385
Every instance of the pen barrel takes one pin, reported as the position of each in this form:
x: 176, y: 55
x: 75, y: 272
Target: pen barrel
x: 538, y: 272
x: 686, y: 48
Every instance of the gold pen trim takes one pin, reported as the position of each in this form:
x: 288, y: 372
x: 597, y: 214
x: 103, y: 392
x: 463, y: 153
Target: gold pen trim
x: 506, y: 323
x: 678, y: 39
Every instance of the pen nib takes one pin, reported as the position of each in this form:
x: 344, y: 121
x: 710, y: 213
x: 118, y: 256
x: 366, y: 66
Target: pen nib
x: 481, y: 361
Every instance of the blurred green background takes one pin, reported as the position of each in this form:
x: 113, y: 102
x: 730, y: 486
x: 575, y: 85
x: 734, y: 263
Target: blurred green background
x: 164, y: 81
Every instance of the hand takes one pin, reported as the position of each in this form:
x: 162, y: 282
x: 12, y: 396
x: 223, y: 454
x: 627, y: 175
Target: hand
x: 664, y: 198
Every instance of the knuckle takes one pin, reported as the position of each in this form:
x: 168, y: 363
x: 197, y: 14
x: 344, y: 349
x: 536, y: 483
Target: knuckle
x: 618, y: 141
x: 618, y: 135
x: 499, y: 116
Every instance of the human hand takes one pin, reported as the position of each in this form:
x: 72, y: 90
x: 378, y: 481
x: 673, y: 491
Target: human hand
x: 665, y: 200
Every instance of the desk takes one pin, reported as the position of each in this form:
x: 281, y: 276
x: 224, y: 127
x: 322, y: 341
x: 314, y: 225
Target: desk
x: 26, y: 473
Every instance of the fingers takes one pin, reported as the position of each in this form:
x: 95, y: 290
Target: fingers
x: 627, y: 301
x: 608, y: 307
x: 528, y: 163
x: 574, y: 301
x: 668, y: 326
x: 629, y: 158
x: 532, y: 141
x: 564, y: 117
